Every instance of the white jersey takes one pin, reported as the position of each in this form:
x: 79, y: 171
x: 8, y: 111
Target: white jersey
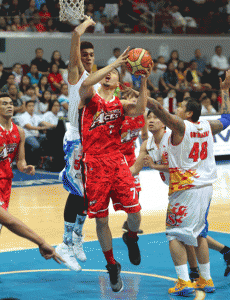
x: 192, y: 163
x: 74, y: 99
x: 160, y: 155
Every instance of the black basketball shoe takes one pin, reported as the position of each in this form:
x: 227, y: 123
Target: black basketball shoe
x: 133, y: 249
x: 114, y: 275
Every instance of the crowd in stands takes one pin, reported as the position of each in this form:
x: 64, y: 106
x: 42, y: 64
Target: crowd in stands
x: 121, y: 16
x: 40, y: 93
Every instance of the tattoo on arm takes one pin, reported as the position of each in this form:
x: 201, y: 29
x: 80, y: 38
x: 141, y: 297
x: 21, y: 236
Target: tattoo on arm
x: 225, y: 107
x: 216, y: 126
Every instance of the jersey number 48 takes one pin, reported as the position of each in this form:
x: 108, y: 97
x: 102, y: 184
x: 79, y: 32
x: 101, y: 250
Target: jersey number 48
x: 197, y: 153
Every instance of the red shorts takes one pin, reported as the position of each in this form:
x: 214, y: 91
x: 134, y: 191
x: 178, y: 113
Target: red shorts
x: 5, y: 191
x: 109, y: 177
x: 130, y: 161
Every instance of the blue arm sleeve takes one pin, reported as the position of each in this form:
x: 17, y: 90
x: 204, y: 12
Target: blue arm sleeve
x: 225, y: 120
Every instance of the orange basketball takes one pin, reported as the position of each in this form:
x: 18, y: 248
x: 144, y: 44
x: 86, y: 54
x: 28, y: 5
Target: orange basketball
x: 138, y: 61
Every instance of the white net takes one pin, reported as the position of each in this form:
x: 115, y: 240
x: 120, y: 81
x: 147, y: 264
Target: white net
x: 71, y: 10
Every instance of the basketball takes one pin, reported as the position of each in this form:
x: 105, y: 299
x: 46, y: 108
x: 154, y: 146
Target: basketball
x: 138, y: 61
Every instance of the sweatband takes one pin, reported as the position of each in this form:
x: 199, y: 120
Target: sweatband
x: 225, y: 120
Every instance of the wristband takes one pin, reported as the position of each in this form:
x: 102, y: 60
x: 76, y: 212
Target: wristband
x: 225, y: 120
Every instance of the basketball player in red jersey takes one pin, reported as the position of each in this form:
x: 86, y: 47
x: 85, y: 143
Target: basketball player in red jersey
x: 106, y: 171
x: 129, y: 133
x: 12, y: 144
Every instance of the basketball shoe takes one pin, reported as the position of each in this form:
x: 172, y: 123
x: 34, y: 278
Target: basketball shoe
x: 227, y: 260
x: 114, y: 275
x: 133, y: 249
x: 182, y: 288
x: 78, y: 247
x: 125, y: 227
x: 205, y: 285
x: 66, y: 252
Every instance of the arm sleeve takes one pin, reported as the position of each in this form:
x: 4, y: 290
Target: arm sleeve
x: 225, y: 120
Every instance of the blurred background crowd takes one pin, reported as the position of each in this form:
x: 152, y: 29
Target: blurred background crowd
x: 122, y: 16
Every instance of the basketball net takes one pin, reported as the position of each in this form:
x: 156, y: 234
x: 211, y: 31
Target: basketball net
x: 71, y: 10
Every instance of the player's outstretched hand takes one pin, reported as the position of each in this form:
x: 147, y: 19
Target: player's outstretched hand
x: 148, y: 71
x: 48, y: 252
x: 30, y: 170
x: 122, y: 58
x: 226, y: 84
x: 89, y: 20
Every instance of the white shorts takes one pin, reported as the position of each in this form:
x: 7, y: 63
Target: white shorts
x: 71, y: 175
x: 187, y: 213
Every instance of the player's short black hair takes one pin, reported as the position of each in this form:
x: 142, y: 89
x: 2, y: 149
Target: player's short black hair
x: 38, y: 49
x: 116, y: 49
x: 29, y: 101
x: 86, y: 45
x: 119, y: 75
x: 4, y: 95
x: 194, y: 106
x: 149, y: 112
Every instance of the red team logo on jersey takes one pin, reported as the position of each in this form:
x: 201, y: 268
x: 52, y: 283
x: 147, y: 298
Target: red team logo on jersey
x: 101, y: 117
x: 175, y: 215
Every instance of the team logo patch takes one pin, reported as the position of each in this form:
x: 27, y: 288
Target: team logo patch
x: 176, y: 214
x: 101, y: 117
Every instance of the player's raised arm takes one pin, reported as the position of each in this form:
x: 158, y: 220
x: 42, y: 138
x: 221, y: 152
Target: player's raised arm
x: 222, y: 123
x: 139, y: 163
x: 20, y: 157
x: 76, y: 67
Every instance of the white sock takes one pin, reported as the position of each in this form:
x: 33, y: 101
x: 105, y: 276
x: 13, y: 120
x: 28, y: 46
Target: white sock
x: 182, y: 272
x: 205, y: 271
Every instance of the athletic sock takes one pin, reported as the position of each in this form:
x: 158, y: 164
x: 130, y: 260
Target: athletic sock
x: 68, y: 231
x: 225, y: 250
x: 205, y: 271
x: 80, y: 220
x: 182, y: 272
x: 109, y: 257
x: 132, y: 234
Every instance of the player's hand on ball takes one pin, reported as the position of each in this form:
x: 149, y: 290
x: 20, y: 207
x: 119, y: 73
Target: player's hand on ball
x: 122, y: 58
x: 30, y: 170
x: 226, y: 84
x: 48, y: 252
x: 148, y: 162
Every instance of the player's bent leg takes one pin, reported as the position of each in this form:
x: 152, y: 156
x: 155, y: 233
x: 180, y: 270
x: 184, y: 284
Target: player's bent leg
x: 65, y: 249
x: 130, y: 238
x: 105, y: 240
x: 204, y: 282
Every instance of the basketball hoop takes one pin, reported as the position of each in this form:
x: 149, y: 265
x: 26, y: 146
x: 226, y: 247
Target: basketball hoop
x: 71, y: 10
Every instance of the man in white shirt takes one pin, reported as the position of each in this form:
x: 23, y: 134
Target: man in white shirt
x: 116, y: 54
x: 219, y: 61
x: 32, y: 123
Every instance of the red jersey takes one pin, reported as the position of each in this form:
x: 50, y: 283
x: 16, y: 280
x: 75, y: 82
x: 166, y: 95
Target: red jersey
x: 130, y: 132
x: 9, y: 143
x: 101, y: 122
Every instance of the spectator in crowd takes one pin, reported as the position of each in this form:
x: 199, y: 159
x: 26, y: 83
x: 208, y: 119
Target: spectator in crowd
x: 55, y: 79
x: 140, y: 27
x: 125, y: 76
x: 116, y: 54
x: 51, y: 115
x: 29, y: 12
x: 51, y: 26
x: 3, y: 75
x: 116, y: 26
x: 193, y: 78
x: 44, y: 101
x: 32, y: 124
x: 25, y: 82
x: 180, y: 72
x: 42, y: 86
x: 35, y: 23
x: 161, y: 65
x: 201, y: 62
x: 30, y: 95
x: 18, y: 24
x: 160, y: 99
x: 17, y: 71
x: 154, y: 78
x: 42, y: 64
x: 169, y: 79
x: 5, y: 8
x: 57, y: 59
x: 178, y: 19
x: 170, y: 102
x: 64, y: 99
x: 206, y: 106
x: 174, y: 58
x: 19, y: 106
x: 163, y: 20
x: 9, y: 82
x: 44, y: 14
x: 34, y: 75
x: 99, y: 13
x: 90, y: 10
x: 38, y: 3
x: 219, y: 63
x: 102, y: 26
x: 3, y: 23
x: 14, y: 8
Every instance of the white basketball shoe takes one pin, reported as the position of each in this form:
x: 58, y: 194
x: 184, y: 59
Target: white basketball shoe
x: 66, y: 252
x: 78, y: 247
